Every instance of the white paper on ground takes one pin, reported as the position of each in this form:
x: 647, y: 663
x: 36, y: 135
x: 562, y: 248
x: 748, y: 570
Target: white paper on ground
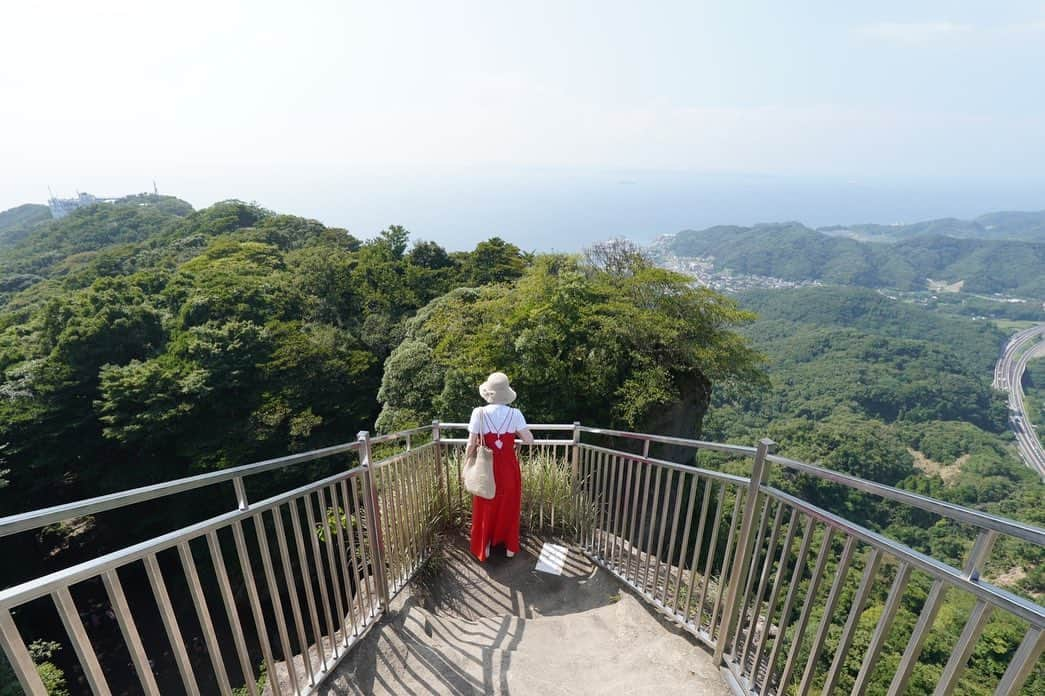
x: 552, y: 559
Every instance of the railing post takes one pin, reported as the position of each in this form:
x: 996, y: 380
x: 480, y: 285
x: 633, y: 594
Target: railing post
x: 373, y: 513
x: 978, y: 554
x: 575, y: 450
x: 241, y: 493
x: 575, y: 479
x: 444, y: 487
x: 743, y: 556
x: 18, y: 656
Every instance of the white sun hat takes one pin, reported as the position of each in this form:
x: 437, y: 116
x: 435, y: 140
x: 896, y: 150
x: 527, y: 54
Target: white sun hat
x: 496, y: 389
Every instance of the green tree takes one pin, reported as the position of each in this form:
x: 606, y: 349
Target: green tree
x: 493, y: 261
x: 579, y: 343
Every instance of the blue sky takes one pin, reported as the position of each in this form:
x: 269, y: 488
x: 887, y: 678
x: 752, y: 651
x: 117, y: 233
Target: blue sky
x: 468, y: 119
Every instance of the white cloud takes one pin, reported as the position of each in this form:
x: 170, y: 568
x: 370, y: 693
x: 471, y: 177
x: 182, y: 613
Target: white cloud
x: 916, y: 32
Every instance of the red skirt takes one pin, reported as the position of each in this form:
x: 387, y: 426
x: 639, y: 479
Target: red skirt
x: 496, y: 520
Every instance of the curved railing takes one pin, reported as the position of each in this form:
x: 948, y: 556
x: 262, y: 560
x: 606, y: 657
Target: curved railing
x: 774, y: 585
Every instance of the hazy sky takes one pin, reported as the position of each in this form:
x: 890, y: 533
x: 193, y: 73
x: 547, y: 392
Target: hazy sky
x: 459, y: 119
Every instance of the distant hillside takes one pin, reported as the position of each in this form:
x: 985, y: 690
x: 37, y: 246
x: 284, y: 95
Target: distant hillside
x: 56, y: 247
x: 893, y: 392
x: 868, y: 311
x: 16, y: 222
x: 1017, y: 226
x: 794, y: 252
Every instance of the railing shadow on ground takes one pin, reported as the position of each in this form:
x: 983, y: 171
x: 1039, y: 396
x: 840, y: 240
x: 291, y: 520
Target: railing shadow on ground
x: 461, y: 586
x: 457, y: 628
x: 459, y: 623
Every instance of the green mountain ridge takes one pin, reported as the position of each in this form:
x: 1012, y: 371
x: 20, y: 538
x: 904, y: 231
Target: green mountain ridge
x: 17, y: 222
x: 1027, y: 226
x: 870, y: 311
x: 794, y: 252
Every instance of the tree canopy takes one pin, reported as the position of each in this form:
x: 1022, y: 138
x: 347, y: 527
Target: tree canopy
x: 152, y: 341
x: 579, y: 342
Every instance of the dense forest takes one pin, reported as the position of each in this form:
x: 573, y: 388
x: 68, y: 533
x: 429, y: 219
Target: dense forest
x: 149, y: 341
x: 888, y: 392
x: 142, y: 341
x: 901, y: 395
x: 794, y: 252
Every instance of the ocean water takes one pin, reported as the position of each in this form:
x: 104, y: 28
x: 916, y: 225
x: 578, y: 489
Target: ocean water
x: 566, y: 210
x: 542, y: 211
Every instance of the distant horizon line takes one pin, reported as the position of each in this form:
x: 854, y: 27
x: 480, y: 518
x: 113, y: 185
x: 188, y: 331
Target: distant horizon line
x: 420, y: 232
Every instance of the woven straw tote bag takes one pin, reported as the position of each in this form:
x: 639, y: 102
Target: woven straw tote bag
x: 477, y: 472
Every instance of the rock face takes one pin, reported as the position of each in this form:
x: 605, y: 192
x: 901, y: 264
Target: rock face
x: 504, y: 628
x: 683, y: 418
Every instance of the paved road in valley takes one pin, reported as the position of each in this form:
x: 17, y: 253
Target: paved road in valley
x: 1008, y: 373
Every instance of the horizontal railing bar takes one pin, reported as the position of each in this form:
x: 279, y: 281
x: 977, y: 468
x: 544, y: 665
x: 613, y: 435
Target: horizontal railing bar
x: 536, y: 443
x: 34, y: 589
x: 666, y: 440
x: 1019, y: 530
x: 403, y: 455
x: 1018, y: 606
x: 550, y: 427
x: 35, y: 519
x: 399, y: 434
x: 717, y: 475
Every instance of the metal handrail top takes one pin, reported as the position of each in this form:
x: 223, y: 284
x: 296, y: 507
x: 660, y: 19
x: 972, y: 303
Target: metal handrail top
x: 688, y: 468
x: 550, y: 427
x: 983, y: 520
x: 1023, y: 608
x: 536, y: 443
x: 400, y: 434
x: 39, y: 587
x: 743, y: 450
x: 34, y: 519
x: 39, y: 518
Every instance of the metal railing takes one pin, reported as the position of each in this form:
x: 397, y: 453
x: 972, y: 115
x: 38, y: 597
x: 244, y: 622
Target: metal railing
x: 774, y: 585
x: 747, y: 592
x: 292, y: 581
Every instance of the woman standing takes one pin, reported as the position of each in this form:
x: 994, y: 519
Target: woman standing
x: 495, y: 521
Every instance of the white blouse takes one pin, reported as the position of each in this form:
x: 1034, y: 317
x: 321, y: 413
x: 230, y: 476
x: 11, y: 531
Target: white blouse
x: 496, y: 418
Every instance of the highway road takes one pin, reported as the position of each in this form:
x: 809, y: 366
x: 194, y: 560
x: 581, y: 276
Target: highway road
x: 1008, y: 374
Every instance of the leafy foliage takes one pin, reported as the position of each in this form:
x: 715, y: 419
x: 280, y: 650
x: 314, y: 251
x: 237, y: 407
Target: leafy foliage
x: 899, y: 394
x: 975, y: 344
x: 579, y: 342
x: 157, y: 341
x: 53, y: 678
x: 872, y: 387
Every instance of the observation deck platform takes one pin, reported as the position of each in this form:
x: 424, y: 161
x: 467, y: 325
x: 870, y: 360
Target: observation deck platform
x: 502, y: 627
